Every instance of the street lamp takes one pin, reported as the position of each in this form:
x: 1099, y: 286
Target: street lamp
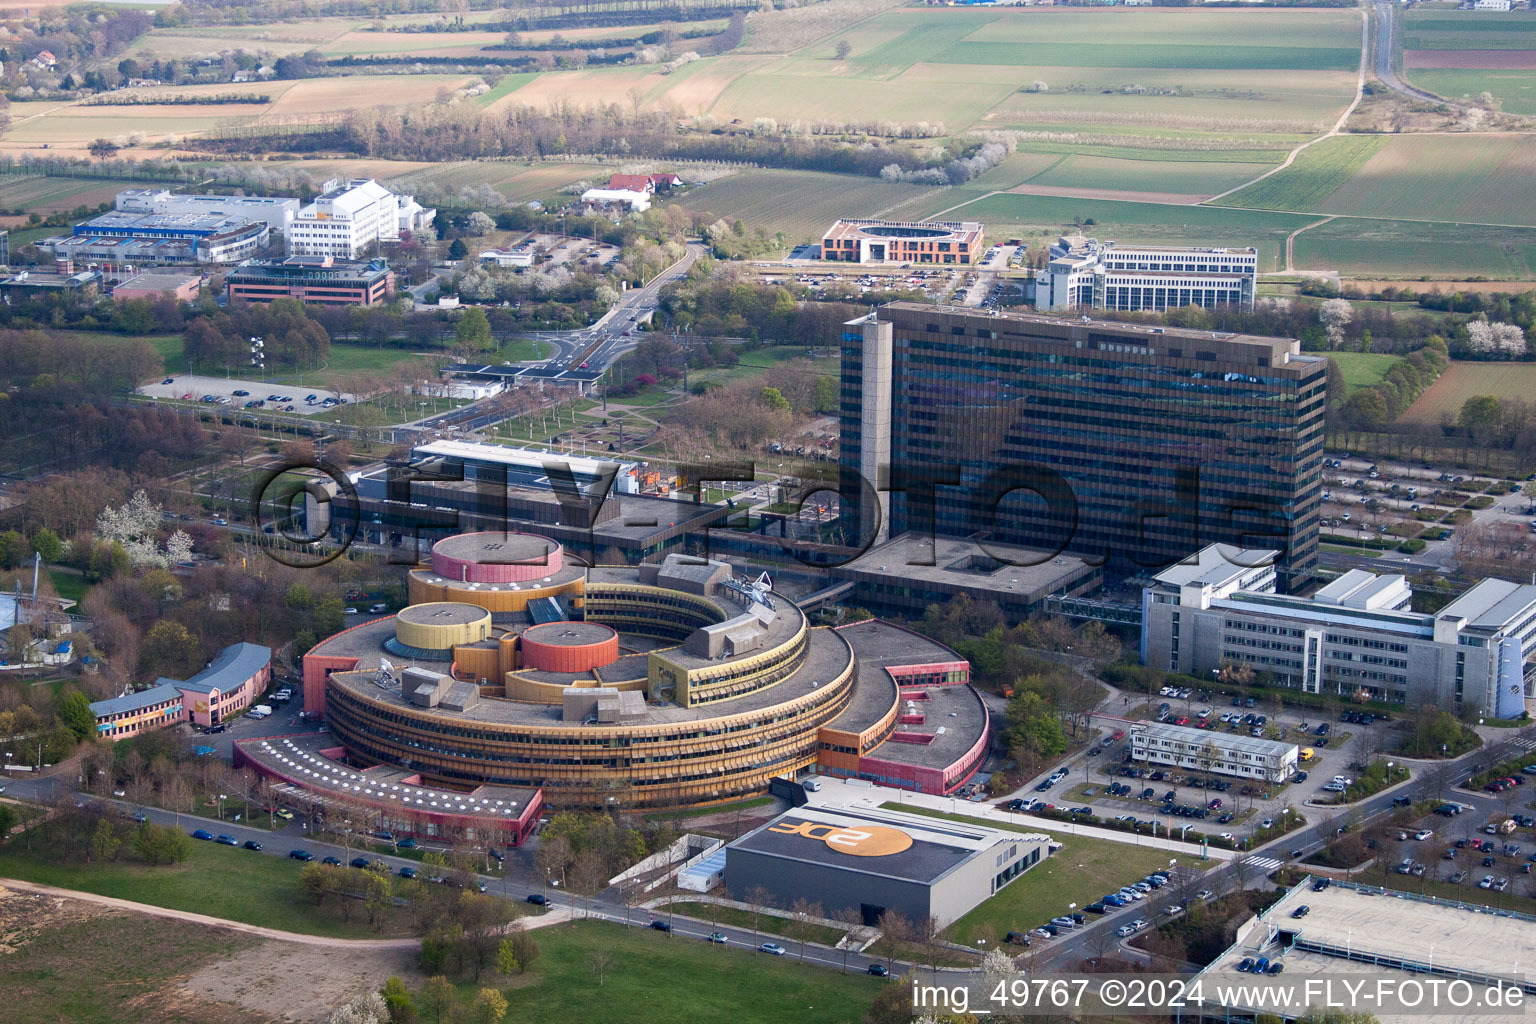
x: 221, y: 806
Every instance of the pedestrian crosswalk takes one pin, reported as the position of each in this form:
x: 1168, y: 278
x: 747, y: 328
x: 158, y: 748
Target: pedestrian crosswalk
x: 1264, y: 864
x: 1526, y: 742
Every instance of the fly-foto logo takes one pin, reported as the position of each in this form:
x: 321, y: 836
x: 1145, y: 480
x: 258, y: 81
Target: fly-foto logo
x: 860, y: 841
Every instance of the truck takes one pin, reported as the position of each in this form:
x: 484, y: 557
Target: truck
x: 261, y: 711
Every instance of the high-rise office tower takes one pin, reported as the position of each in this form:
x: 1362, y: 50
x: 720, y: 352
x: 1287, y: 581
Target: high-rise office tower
x: 1135, y: 444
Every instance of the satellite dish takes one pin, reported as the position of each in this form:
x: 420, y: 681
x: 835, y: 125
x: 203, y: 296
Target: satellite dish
x: 385, y: 665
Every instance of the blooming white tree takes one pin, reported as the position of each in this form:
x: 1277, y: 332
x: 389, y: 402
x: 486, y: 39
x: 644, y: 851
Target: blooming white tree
x: 480, y: 223
x: 1504, y: 339
x: 134, y: 526
x: 1335, y: 314
x: 368, y: 1008
x: 997, y: 968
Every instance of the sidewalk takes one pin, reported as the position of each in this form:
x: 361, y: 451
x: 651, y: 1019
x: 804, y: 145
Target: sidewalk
x: 840, y: 793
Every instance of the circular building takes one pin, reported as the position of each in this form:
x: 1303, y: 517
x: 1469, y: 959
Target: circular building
x: 569, y: 646
x: 648, y: 686
x: 433, y: 630
x: 496, y: 557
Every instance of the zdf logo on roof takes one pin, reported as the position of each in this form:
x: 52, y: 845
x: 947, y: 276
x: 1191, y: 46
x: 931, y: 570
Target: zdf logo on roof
x: 860, y: 841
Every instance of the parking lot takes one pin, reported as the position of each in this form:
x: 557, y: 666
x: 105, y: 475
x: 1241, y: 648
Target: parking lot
x: 254, y: 394
x: 1383, y: 500
x: 1103, y: 780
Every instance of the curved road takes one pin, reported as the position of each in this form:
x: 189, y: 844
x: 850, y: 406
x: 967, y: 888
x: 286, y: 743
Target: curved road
x: 1385, y: 27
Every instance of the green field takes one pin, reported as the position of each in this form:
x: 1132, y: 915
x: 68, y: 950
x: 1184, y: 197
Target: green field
x: 1468, y: 30
x: 1362, y: 369
x: 768, y: 924
x: 1317, y: 172
x: 1515, y: 88
x: 1080, y: 872
x: 803, y: 204
x: 1413, y: 249
x: 1192, y: 177
x: 221, y: 881
x: 1488, y: 179
x: 1135, y: 55
x: 1135, y: 222
x: 656, y: 979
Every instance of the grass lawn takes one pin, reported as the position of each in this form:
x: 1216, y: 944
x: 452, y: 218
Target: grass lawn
x: 70, y: 585
x: 1081, y: 871
x: 767, y: 924
x: 90, y: 971
x: 1362, y: 369
x: 1316, y: 174
x: 699, y: 812
x: 678, y: 981
x: 222, y: 881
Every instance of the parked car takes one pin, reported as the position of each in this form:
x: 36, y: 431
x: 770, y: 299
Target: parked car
x: 538, y: 899
x: 202, y: 833
x: 334, y: 862
x: 226, y: 840
x: 661, y: 926
x: 772, y: 948
x: 300, y: 855
x: 1301, y: 911
x: 407, y: 872
x: 360, y: 862
x: 251, y: 844
x: 878, y: 970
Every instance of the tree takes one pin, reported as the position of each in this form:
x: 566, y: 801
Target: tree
x: 490, y: 1007
x: 473, y: 331
x: 75, y: 712
x: 168, y: 650
x: 601, y: 961
x: 103, y: 149
x: 848, y: 919
x: 316, y: 882
x: 368, y: 1008
x: 134, y: 526
x: 806, y: 914
x: 105, y: 842
x: 457, y: 249
x: 1335, y: 315
x: 516, y: 953
x: 844, y: 48
x: 398, y: 999
x: 437, y: 999
x: 14, y: 550
x: 479, y: 224
x: 774, y: 399
x: 47, y: 544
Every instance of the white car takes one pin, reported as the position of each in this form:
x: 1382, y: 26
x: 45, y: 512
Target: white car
x: 1173, y: 909
x: 1125, y: 930
x: 1139, y: 923
x: 1423, y: 834
x: 1228, y: 836
x: 773, y: 948
x: 1204, y: 894
x: 1132, y: 894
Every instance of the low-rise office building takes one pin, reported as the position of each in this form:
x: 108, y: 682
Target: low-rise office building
x: 181, y: 287
x: 1104, y: 275
x: 350, y: 218
x: 274, y: 211
x: 119, y: 718
x: 231, y: 683
x: 319, y: 280
x: 118, y: 238
x: 1208, y: 750
x: 875, y: 861
x: 1356, y: 637
x: 890, y: 241
x: 30, y: 284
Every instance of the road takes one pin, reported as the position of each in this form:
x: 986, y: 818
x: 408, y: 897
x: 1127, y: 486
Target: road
x: 613, y: 335
x: 1386, y: 25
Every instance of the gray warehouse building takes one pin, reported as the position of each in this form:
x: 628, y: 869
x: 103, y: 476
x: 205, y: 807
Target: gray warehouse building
x: 876, y: 861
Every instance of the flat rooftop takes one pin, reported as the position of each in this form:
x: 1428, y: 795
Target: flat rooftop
x: 1084, y: 323
x: 826, y: 656
x: 496, y: 548
x: 1492, y: 604
x: 1372, y: 932
x: 471, y: 451
x: 308, y: 760
x: 1208, y: 737
x: 442, y: 613
x: 953, y: 715
x: 955, y: 563
x: 1216, y: 565
x: 924, y: 849
x: 573, y: 633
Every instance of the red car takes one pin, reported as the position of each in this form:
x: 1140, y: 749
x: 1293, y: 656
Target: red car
x: 1181, y: 721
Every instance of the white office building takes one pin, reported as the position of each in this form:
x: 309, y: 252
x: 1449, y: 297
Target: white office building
x: 1084, y: 272
x: 349, y: 218
x: 1208, y: 750
x: 1356, y: 637
x: 273, y: 211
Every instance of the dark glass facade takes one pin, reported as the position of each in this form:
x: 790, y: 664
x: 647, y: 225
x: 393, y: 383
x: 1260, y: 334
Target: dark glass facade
x: 1129, y: 444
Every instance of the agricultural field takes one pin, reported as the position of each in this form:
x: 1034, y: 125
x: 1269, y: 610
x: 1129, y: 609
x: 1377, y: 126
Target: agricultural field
x: 1317, y: 172
x: 1489, y: 179
x: 47, y: 195
x: 1470, y: 380
x: 1177, y: 180
x: 518, y: 182
x: 1462, y: 54
x: 1133, y: 222
x: 803, y: 204
x: 1360, y: 247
